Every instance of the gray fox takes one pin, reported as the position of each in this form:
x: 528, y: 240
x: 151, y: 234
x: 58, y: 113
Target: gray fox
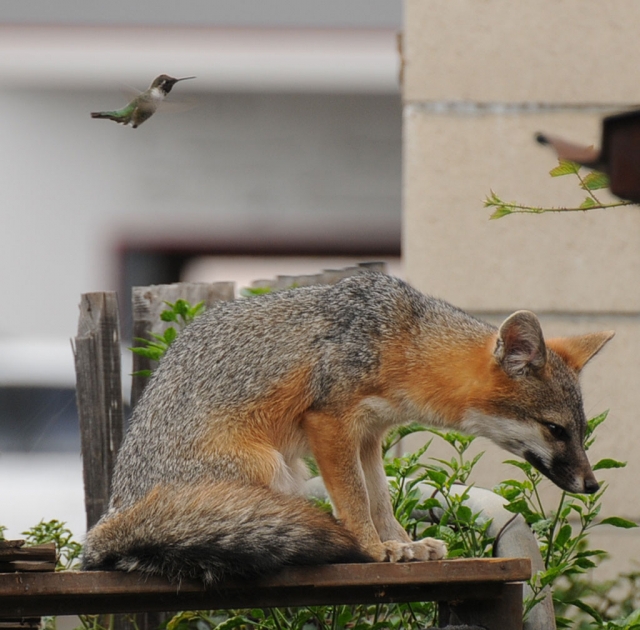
x: 208, y: 480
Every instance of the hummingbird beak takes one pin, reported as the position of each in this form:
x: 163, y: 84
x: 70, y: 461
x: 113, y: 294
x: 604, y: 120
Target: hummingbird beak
x: 184, y: 79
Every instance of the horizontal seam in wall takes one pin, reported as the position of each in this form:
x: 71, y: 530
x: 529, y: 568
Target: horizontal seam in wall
x: 566, y: 314
x: 472, y: 108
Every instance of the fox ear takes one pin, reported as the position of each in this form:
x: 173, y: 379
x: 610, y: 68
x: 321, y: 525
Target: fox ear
x: 520, y: 345
x: 577, y: 351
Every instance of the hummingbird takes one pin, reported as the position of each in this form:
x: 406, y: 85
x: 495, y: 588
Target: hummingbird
x: 144, y: 105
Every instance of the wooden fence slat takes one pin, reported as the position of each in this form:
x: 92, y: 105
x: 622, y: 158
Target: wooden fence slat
x: 328, y: 276
x: 149, y: 302
x: 99, y: 396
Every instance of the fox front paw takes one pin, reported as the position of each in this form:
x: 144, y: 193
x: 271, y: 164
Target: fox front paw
x: 425, y: 549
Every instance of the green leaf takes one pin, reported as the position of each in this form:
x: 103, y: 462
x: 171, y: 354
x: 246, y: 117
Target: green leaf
x: 565, y: 167
x: 464, y: 514
x: 585, y: 563
x: 587, y: 204
x: 588, y: 609
x: 456, y: 553
x: 251, y: 291
x: 145, y: 373
x: 197, y: 309
x: 592, y: 425
x: 592, y: 552
x: 549, y: 576
x: 180, y: 307
x: 492, y: 200
x: 596, y: 421
x: 616, y: 521
x: 168, y: 316
x: 609, y: 463
x: 563, y: 535
x: 153, y: 353
x: 502, y: 211
x: 595, y: 180
x: 524, y: 466
x: 429, y: 504
x: 169, y: 335
x: 439, y: 478
x: 233, y: 622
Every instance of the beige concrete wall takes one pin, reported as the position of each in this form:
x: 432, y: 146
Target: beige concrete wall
x: 481, y: 77
x: 582, y: 262
x: 548, y: 51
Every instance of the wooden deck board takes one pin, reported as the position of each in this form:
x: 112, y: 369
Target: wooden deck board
x: 80, y: 592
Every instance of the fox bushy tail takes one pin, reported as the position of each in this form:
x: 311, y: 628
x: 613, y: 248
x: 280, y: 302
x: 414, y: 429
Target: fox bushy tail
x: 213, y: 531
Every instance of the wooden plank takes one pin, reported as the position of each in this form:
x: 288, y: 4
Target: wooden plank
x: 462, y: 570
x: 26, y: 565
x: 46, y: 552
x: 149, y: 302
x: 11, y: 544
x: 99, y: 396
x: 14, y: 556
x: 98, y: 603
x: 71, y: 592
x: 20, y: 624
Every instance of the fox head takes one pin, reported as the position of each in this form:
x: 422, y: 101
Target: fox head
x: 535, y: 409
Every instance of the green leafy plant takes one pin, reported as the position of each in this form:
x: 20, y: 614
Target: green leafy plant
x: 562, y: 532
x: 68, y: 550
x: 179, y: 312
x: 590, y: 182
x: 610, y: 601
x: 464, y: 532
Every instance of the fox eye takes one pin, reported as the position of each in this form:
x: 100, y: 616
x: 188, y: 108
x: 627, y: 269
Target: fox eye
x: 558, y: 432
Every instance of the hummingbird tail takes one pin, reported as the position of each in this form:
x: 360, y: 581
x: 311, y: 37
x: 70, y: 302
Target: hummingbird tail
x: 108, y: 115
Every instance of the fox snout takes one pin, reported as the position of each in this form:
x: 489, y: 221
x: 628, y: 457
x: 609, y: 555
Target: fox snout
x: 563, y: 459
x: 566, y: 473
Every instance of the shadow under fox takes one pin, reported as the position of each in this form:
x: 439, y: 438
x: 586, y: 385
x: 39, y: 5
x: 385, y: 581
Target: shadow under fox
x: 208, y: 480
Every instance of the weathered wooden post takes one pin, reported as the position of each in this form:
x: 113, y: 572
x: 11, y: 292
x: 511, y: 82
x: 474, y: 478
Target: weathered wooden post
x: 99, y: 396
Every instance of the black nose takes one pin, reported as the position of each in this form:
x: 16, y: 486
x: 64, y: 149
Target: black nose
x: 591, y: 486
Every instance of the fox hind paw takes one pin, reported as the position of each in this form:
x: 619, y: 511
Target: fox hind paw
x: 425, y: 549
